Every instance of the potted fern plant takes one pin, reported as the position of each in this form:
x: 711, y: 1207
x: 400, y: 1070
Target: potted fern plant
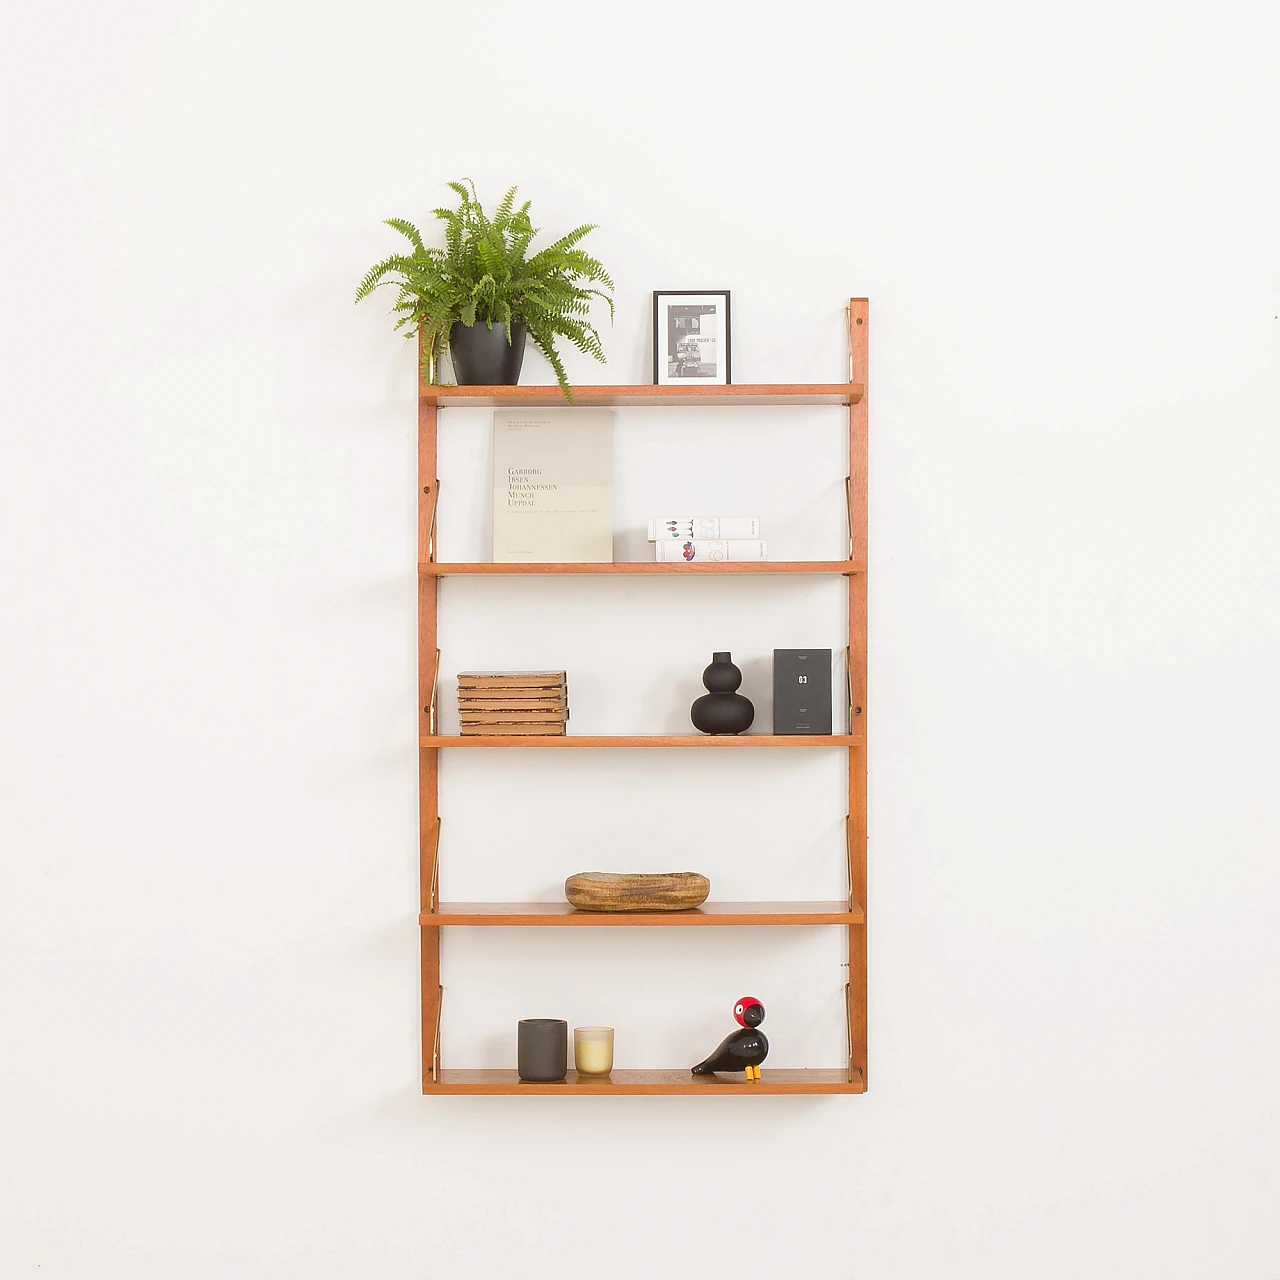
x: 483, y: 293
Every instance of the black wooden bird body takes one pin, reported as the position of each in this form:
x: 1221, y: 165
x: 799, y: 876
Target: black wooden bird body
x: 742, y: 1050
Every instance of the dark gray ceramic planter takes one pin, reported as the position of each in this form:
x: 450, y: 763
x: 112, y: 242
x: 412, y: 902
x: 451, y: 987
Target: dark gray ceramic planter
x: 482, y: 356
x: 542, y: 1048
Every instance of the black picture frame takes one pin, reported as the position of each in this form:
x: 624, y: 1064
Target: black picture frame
x: 669, y: 369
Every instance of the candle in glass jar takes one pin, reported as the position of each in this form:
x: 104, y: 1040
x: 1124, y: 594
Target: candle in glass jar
x: 593, y: 1050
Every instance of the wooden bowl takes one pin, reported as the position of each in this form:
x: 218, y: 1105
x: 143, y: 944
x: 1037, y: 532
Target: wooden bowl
x: 608, y: 891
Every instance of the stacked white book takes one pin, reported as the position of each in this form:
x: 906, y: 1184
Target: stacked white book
x: 706, y: 539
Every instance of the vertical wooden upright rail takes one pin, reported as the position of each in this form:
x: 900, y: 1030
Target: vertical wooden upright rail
x: 428, y: 757
x: 857, y: 994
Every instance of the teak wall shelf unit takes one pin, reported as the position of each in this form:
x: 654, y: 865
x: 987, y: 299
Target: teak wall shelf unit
x: 851, y: 913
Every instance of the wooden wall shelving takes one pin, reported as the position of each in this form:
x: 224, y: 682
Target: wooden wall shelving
x: 837, y: 393
x: 434, y: 915
x: 637, y: 568
x: 495, y: 741
x: 621, y: 1082
x: 559, y: 914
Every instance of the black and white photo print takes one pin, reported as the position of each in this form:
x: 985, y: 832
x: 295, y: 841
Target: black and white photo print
x: 691, y: 338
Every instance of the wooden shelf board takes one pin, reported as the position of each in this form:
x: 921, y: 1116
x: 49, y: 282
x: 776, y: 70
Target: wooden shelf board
x: 640, y: 568
x: 646, y: 740
x: 620, y: 1082
x: 710, y: 913
x: 783, y: 393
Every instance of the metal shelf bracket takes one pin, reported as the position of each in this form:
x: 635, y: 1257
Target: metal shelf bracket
x: 848, y: 857
x: 435, y: 1046
x: 848, y: 685
x: 431, y: 706
x: 848, y: 511
x: 431, y: 526
x: 435, y: 870
x: 849, y: 1031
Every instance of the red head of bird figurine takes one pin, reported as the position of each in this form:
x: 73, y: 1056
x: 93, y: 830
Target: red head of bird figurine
x: 743, y: 1050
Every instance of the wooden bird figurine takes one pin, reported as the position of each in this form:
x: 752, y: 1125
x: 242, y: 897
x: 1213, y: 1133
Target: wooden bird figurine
x: 744, y: 1050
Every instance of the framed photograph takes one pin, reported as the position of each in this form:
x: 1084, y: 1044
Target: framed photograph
x: 691, y: 338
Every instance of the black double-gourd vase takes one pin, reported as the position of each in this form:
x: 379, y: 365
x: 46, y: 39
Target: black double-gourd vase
x: 722, y: 709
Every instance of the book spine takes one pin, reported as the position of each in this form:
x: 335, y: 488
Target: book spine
x: 512, y: 704
x: 506, y: 689
x: 512, y: 731
x: 514, y: 682
x: 512, y: 717
x: 541, y: 696
x: 711, y: 550
x: 663, y: 527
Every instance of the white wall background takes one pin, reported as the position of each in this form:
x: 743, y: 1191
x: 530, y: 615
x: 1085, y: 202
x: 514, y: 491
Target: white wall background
x: 1066, y: 222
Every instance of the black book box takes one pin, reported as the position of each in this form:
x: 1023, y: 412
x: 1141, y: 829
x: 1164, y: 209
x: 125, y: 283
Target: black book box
x: 802, y: 691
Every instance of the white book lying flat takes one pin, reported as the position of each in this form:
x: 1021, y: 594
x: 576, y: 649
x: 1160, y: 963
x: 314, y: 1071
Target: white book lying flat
x: 663, y: 527
x: 711, y: 550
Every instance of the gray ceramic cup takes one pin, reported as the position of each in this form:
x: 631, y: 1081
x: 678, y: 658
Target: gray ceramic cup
x: 542, y: 1048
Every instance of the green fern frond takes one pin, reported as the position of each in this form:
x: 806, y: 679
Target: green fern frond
x: 566, y: 242
x: 502, y: 215
x: 408, y: 230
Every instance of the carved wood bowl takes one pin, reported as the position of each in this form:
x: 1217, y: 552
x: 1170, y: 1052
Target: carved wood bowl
x: 608, y: 891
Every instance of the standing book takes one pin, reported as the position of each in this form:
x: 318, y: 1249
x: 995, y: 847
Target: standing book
x: 553, y: 486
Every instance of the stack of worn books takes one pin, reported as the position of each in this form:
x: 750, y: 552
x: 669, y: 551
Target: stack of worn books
x: 524, y: 703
